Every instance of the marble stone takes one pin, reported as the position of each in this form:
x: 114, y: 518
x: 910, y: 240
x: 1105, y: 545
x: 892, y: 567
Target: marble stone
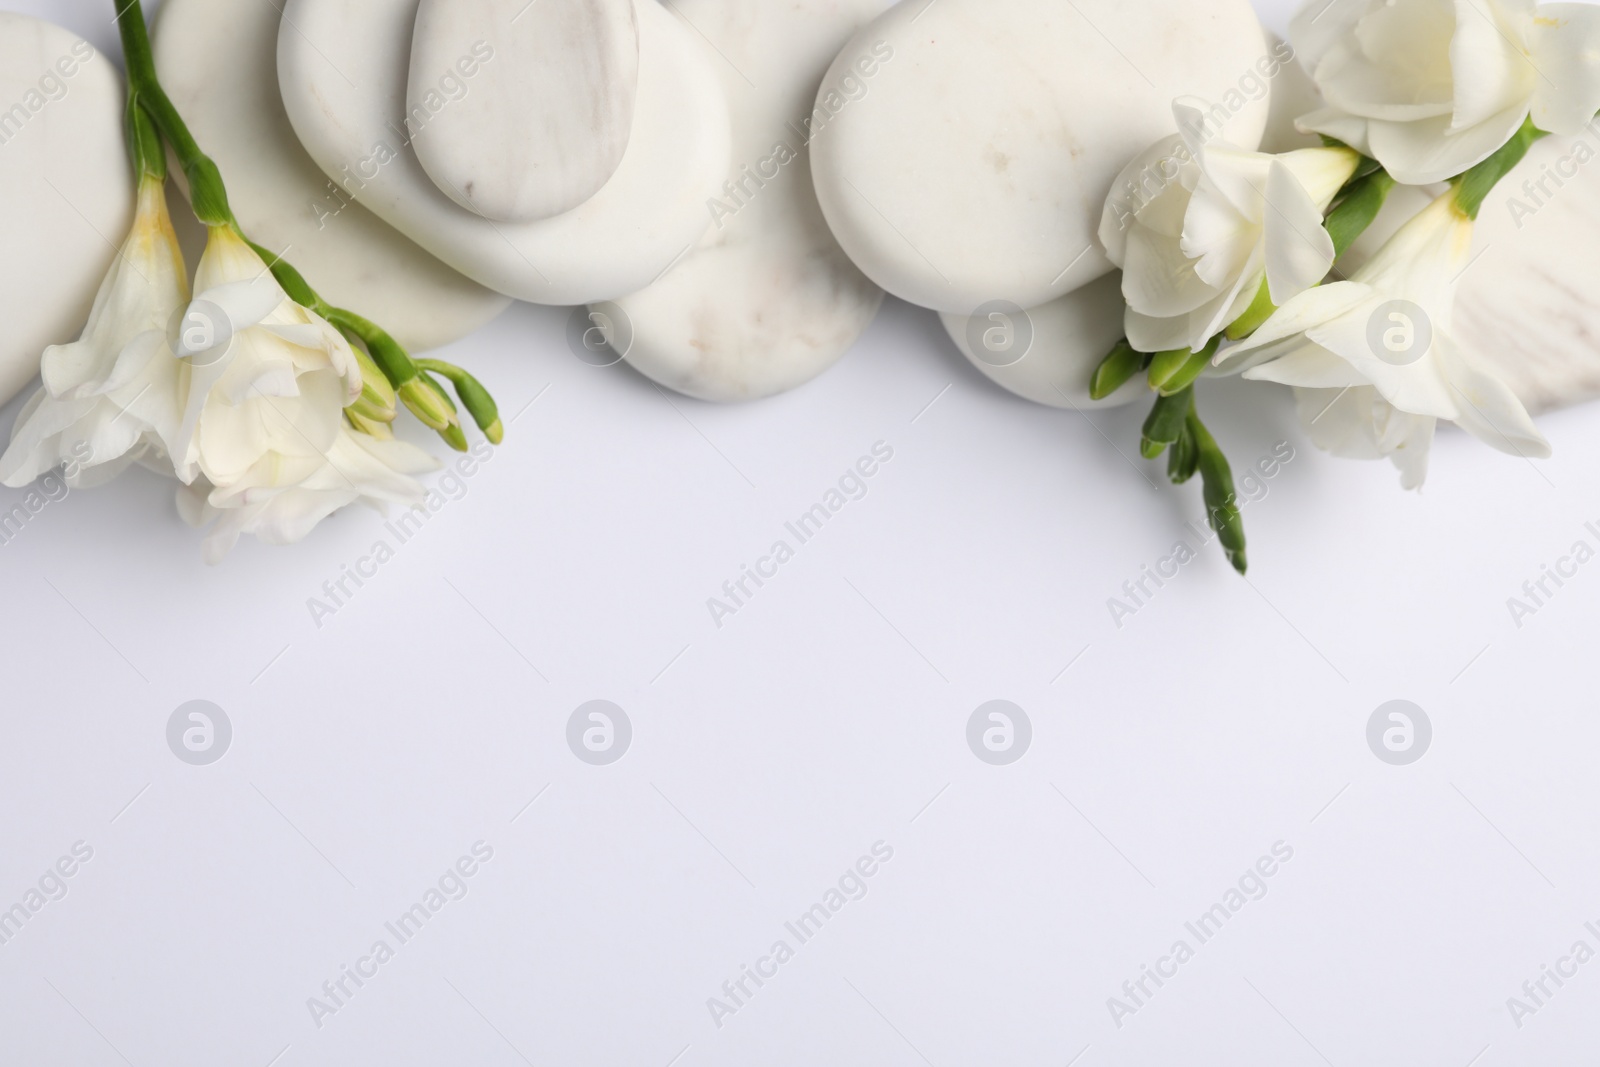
x: 348, y: 106
x: 1529, y: 303
x: 1048, y: 353
x: 539, y: 132
x: 218, y: 61
x: 974, y: 165
x: 768, y: 299
x: 68, y: 184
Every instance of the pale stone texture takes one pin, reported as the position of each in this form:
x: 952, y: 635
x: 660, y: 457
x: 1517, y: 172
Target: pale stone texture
x: 348, y: 106
x: 541, y: 131
x: 68, y: 185
x: 218, y: 61
x: 976, y: 165
x: 768, y: 300
x: 1069, y: 336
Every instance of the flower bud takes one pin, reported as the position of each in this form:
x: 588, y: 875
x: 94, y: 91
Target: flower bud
x: 423, y: 399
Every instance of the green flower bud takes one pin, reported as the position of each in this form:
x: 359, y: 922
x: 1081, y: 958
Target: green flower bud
x: 1165, y: 424
x: 1116, y: 370
x: 428, y: 403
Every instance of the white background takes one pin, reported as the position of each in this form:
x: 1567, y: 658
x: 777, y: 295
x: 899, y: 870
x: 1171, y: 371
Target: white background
x: 828, y: 714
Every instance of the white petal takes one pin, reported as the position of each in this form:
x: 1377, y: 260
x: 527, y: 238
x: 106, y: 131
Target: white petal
x: 1299, y: 252
x: 1314, y: 306
x: 1394, y: 64
x: 1491, y: 74
x: 1309, y: 366
x: 1340, y: 125
x: 1149, y: 175
x: 1428, y: 150
x: 1565, y: 43
x: 1489, y: 410
x: 1149, y: 334
x: 1159, y: 279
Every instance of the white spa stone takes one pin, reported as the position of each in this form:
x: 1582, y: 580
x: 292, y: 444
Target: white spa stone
x: 218, y: 61
x: 768, y: 299
x: 541, y: 130
x: 1048, y: 353
x: 975, y: 164
x: 1529, y: 304
x: 67, y: 184
x: 348, y: 106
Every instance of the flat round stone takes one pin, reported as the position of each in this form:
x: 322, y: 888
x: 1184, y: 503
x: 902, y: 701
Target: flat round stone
x: 348, y: 106
x: 768, y: 300
x: 538, y: 132
x: 1525, y: 306
x: 68, y: 184
x: 218, y: 61
x: 975, y: 165
x: 1047, y: 354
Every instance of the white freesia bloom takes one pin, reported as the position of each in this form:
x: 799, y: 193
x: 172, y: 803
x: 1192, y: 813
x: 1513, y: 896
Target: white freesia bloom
x: 1431, y: 88
x: 1197, y: 224
x: 1384, y: 336
x: 281, y: 500
x: 1358, y: 423
x: 111, y: 398
x: 267, y: 449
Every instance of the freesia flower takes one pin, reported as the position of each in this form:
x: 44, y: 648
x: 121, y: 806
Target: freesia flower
x: 280, y: 500
x: 1197, y: 224
x: 1384, y: 336
x: 1358, y: 423
x: 1431, y: 88
x: 111, y: 398
x: 266, y: 444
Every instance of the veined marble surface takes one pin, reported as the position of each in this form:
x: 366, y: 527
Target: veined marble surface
x: 768, y: 300
x: 975, y: 166
x: 348, y: 106
x: 69, y: 203
x: 218, y: 61
x: 542, y: 130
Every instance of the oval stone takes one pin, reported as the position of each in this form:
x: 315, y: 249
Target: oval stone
x: 68, y: 184
x: 218, y: 62
x: 768, y: 299
x: 539, y: 132
x: 348, y: 106
x: 974, y: 168
x: 1047, y: 354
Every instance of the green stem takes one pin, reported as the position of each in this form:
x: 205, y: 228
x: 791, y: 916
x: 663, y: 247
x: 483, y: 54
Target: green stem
x: 144, y: 143
x: 1222, y: 504
x: 1358, y: 205
x: 1472, y: 188
x: 207, y: 194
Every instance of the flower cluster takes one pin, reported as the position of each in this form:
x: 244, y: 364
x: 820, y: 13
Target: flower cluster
x: 271, y: 408
x: 1227, y: 253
